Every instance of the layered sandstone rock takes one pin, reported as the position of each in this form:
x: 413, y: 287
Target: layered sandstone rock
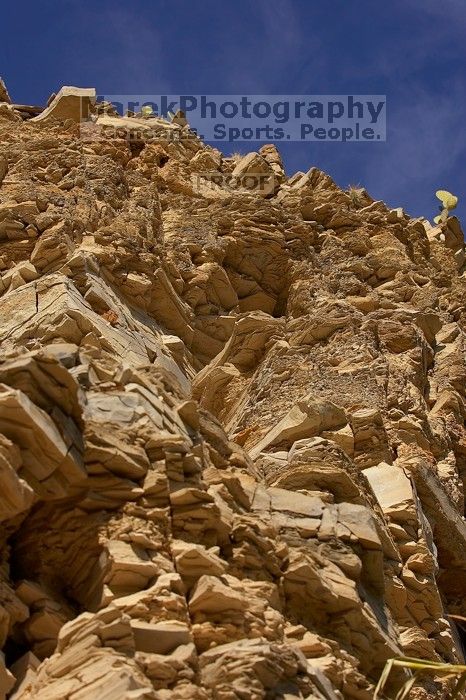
x: 232, y: 444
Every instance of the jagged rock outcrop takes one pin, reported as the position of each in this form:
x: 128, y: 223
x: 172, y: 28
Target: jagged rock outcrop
x: 232, y: 439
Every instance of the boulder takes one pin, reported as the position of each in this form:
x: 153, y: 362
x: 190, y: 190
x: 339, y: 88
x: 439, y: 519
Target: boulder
x: 308, y: 417
x: 70, y: 103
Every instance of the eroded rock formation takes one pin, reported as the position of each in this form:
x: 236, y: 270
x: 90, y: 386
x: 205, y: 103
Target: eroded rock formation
x: 232, y: 444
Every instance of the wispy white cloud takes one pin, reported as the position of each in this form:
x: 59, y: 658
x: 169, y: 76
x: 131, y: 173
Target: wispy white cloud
x: 425, y: 109
x: 453, y: 11
x: 440, y: 28
x: 426, y: 140
x: 133, y: 58
x: 272, y: 50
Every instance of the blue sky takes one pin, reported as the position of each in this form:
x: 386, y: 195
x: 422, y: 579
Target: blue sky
x: 413, y: 51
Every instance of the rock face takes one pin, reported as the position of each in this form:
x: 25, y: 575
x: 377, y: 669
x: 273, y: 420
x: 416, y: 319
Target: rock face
x: 232, y: 443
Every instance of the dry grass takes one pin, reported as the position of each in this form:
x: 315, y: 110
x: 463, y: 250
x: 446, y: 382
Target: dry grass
x: 355, y: 193
x: 418, y: 667
x: 236, y: 156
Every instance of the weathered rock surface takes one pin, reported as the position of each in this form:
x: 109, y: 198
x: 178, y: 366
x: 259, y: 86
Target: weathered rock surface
x: 232, y: 439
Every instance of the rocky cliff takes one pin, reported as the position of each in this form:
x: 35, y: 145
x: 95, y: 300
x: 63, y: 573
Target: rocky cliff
x: 232, y: 442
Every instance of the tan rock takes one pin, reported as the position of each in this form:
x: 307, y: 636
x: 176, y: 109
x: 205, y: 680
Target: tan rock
x: 308, y: 417
x: 70, y: 103
x: 129, y: 567
x: 24, y: 671
x: 7, y: 679
x: 232, y: 406
x: 193, y: 560
x: 160, y: 637
x: 47, y: 462
x: 212, y: 595
x: 360, y: 523
x: 4, y: 96
x: 393, y: 491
